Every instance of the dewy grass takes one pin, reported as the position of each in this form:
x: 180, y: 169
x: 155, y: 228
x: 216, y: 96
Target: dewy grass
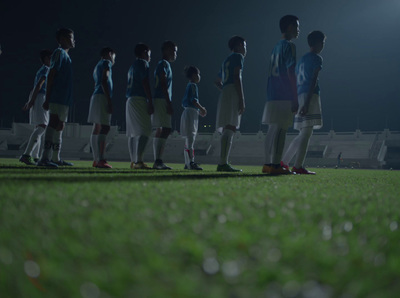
x: 84, y: 232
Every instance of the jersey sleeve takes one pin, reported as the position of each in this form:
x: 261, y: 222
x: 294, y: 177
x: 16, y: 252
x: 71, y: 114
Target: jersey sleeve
x: 195, y: 93
x: 107, y: 64
x: 289, y: 55
x: 238, y: 61
x: 56, y: 60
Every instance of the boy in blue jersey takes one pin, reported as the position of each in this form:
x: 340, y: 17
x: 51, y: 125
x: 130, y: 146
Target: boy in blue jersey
x: 190, y: 116
x: 281, y: 97
x: 231, y: 102
x: 309, y: 114
x: 58, y: 99
x: 139, y: 107
x: 100, y: 109
x: 37, y: 115
x: 161, y: 118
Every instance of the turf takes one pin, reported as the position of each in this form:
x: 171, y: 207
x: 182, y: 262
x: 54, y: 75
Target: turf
x: 84, y: 232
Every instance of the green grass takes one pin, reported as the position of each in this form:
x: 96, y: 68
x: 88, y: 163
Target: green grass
x: 84, y: 232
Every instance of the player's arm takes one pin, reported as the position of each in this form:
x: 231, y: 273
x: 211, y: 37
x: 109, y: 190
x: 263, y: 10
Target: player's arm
x: 106, y: 89
x: 164, y: 88
x: 237, y: 81
x: 218, y: 83
x: 293, y: 86
x: 49, y: 87
x: 146, y: 87
x: 310, y: 92
x: 34, y: 93
x: 202, y: 110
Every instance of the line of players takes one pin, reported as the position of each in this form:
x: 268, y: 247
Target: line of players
x: 291, y: 90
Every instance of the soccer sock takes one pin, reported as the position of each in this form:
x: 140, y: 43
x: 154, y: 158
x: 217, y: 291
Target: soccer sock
x: 57, y: 142
x: 131, y: 147
x: 34, y: 138
x: 304, y: 140
x: 189, y: 149
x: 291, y: 150
x: 48, y: 142
x: 101, y: 145
x: 158, y: 147
x: 226, y: 144
x: 269, y: 142
x: 94, y: 143
x: 37, y: 147
x: 141, y: 142
x: 280, y: 145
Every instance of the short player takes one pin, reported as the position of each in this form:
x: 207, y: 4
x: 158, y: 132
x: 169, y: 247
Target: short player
x: 231, y: 103
x: 282, y: 95
x: 139, y: 107
x: 58, y: 99
x: 37, y: 115
x: 190, y: 116
x: 161, y: 118
x: 100, y: 109
x: 309, y: 115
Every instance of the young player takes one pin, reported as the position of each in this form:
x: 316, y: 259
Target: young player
x: 161, y: 118
x: 37, y: 115
x: 139, y: 106
x: 309, y: 114
x: 190, y: 116
x: 231, y: 102
x: 100, y: 109
x: 58, y: 99
x: 282, y: 95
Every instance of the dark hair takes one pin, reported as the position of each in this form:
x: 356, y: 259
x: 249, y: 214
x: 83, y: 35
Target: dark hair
x: 286, y: 21
x: 168, y: 45
x: 104, y: 51
x: 140, y: 48
x: 235, y: 41
x: 315, y: 37
x: 190, y: 70
x: 63, y: 32
x: 45, y: 53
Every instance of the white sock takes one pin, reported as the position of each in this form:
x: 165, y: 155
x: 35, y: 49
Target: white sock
x: 304, y: 140
x: 141, y: 142
x: 57, y: 143
x: 37, y: 148
x: 158, y: 147
x: 280, y: 145
x: 33, y: 140
x: 269, y: 142
x: 132, y: 148
x: 94, y: 143
x: 226, y: 144
x: 101, y: 145
x: 48, y: 143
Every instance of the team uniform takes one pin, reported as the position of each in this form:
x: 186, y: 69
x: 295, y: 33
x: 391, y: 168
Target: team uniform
x: 190, y: 116
x: 304, y: 71
x: 98, y: 112
x: 228, y: 103
x: 161, y: 118
x: 38, y: 115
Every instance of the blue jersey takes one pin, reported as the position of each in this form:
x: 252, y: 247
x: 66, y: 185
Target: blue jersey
x: 41, y: 73
x: 61, y: 92
x: 163, y: 67
x: 191, y: 96
x: 103, y: 64
x: 136, y: 74
x: 305, y: 71
x: 228, y: 67
x: 283, y: 57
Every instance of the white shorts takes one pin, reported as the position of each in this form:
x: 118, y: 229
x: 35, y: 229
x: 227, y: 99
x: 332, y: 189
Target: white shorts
x: 60, y: 110
x: 313, y: 118
x: 160, y: 117
x: 228, y: 108
x: 38, y: 115
x: 278, y: 112
x: 189, y: 122
x: 138, y: 120
x: 98, y: 110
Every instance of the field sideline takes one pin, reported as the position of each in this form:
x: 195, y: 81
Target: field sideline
x: 84, y: 232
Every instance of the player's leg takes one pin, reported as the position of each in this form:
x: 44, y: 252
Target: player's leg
x: 104, y: 129
x: 159, y: 143
x: 226, y: 145
x: 48, y: 142
x: 33, y: 142
x: 94, y: 143
x: 304, y: 140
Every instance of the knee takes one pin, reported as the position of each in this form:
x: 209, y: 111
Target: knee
x: 105, y: 129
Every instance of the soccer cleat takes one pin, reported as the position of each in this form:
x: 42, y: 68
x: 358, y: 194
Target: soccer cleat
x: 63, y: 163
x: 102, y: 164
x: 46, y: 163
x: 159, y: 165
x: 227, y: 168
x: 283, y: 165
x: 275, y: 170
x: 27, y: 159
x: 36, y: 160
x: 94, y: 164
x: 140, y: 165
x: 267, y: 169
x: 193, y: 166
x: 302, y: 171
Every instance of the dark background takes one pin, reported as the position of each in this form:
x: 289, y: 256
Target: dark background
x: 359, y: 82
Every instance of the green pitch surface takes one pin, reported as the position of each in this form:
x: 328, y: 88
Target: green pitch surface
x: 84, y: 232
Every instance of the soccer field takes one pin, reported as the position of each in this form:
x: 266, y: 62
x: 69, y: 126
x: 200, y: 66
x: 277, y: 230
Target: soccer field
x: 85, y: 232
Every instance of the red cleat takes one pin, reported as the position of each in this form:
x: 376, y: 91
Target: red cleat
x: 302, y: 171
x: 102, y: 164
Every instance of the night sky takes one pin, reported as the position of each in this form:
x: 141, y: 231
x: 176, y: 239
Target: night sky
x: 360, y: 79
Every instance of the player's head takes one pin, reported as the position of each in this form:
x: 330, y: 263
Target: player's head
x: 169, y: 50
x: 289, y: 26
x: 108, y: 54
x: 65, y: 38
x: 192, y: 73
x: 316, y: 41
x: 237, y: 44
x: 45, y: 56
x: 142, y: 51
